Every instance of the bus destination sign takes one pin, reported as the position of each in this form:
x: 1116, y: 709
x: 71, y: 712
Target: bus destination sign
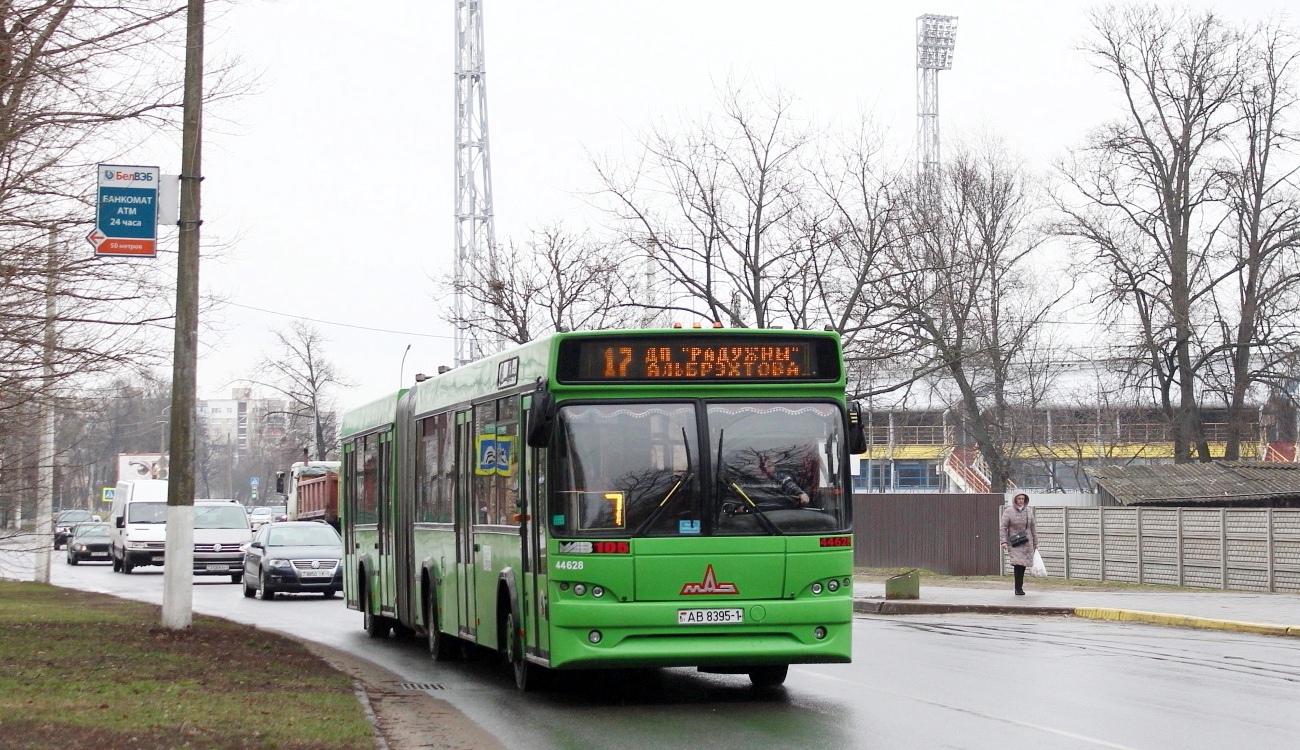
x: 748, y: 359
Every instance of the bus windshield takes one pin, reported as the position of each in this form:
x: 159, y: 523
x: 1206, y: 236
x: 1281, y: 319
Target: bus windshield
x: 636, y: 470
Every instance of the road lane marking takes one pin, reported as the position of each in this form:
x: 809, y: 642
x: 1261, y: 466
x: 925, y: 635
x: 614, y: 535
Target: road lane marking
x: 972, y: 712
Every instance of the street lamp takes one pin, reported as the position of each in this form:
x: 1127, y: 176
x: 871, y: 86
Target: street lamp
x: 162, y: 431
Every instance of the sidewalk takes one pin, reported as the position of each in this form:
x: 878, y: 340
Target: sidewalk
x: 1274, y: 614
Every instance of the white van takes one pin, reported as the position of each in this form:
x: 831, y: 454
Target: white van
x: 137, y: 524
x: 138, y: 530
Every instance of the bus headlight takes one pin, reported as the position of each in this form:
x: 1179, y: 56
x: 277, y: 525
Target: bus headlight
x: 579, y: 589
x: 597, y: 591
x: 816, y: 588
x: 594, y: 636
x: 832, y: 585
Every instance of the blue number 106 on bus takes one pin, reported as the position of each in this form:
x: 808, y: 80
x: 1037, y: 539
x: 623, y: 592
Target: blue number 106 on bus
x: 613, y: 499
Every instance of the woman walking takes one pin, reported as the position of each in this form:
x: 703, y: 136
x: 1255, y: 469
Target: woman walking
x: 1019, y: 537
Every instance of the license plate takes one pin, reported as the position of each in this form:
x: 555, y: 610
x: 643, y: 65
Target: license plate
x: 710, y: 616
x: 99, y: 554
x: 316, y: 573
x: 218, y: 567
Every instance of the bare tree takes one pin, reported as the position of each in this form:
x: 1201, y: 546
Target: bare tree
x: 555, y: 281
x: 1141, y: 191
x: 302, y: 373
x: 1262, y: 201
x: 716, y: 210
x: 863, y: 224
x: 961, y: 306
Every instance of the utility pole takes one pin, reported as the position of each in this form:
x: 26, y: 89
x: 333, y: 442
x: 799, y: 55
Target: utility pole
x: 45, y: 457
x: 178, y: 571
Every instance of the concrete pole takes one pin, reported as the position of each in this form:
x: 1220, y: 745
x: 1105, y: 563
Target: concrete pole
x: 178, y: 571
x: 45, y: 456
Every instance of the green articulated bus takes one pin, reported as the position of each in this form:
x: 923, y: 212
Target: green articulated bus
x: 596, y: 499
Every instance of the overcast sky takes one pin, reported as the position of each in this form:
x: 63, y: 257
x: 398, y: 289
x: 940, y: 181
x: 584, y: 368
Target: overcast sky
x: 332, y: 184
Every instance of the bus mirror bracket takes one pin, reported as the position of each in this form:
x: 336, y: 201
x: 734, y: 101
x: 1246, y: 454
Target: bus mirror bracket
x: 541, y: 420
x: 857, y: 429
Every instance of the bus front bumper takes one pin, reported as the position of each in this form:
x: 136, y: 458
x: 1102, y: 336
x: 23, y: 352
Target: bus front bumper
x: 646, y: 634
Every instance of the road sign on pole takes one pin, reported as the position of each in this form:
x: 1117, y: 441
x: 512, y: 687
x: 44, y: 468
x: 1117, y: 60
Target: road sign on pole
x: 126, y: 220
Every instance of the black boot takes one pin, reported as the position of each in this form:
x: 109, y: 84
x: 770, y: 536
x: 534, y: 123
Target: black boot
x: 1020, y: 592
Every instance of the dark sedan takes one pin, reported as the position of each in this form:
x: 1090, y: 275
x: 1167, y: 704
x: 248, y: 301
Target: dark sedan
x: 294, y: 557
x: 65, y: 521
x: 88, y: 542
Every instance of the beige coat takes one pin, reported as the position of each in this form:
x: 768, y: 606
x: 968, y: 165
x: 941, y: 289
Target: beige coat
x: 1015, y: 520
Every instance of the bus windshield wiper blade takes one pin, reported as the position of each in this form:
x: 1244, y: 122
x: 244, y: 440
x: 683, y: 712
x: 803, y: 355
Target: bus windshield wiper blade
x: 685, y: 477
x: 762, y: 516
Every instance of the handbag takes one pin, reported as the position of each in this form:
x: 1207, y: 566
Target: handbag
x: 1018, y: 539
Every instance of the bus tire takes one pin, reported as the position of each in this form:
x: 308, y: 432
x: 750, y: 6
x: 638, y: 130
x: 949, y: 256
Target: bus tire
x: 376, y: 627
x: 441, y: 647
x: 127, y: 566
x: 527, y: 675
x: 764, y: 678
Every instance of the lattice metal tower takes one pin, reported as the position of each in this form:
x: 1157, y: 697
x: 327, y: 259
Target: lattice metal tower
x: 474, y: 232
x: 936, y: 37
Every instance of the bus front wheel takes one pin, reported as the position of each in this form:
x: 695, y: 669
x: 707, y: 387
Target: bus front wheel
x: 527, y: 675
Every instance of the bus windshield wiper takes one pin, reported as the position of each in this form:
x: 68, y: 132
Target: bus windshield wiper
x: 722, y: 487
x: 683, y: 479
x: 762, y: 516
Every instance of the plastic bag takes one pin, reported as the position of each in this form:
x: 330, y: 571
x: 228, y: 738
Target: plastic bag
x: 1038, y: 570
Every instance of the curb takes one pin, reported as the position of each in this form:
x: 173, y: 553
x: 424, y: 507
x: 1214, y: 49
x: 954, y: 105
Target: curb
x: 1186, y: 621
x: 912, y: 607
x: 905, y: 607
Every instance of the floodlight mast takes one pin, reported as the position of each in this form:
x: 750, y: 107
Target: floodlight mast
x: 475, y: 236
x: 936, y: 37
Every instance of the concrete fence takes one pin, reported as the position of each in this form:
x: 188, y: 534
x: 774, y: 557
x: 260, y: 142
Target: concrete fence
x: 1242, y: 549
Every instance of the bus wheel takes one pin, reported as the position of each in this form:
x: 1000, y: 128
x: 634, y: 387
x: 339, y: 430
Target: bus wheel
x: 441, y: 647
x: 376, y: 627
x: 768, y: 677
x: 527, y: 675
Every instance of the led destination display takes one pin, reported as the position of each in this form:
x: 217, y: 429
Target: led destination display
x: 736, y: 358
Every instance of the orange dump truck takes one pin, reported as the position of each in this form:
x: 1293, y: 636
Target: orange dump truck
x: 318, y: 498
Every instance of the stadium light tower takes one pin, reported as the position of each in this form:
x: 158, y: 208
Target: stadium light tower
x: 475, y: 236
x: 936, y: 37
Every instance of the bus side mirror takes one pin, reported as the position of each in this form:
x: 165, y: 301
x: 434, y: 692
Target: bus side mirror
x: 541, y: 420
x: 857, y: 429
x: 279, y: 482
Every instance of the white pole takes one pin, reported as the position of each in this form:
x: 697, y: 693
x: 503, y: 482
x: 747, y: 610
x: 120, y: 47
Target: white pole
x: 45, y: 457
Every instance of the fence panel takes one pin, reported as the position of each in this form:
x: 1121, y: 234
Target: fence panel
x: 953, y: 534
x: 1242, y: 549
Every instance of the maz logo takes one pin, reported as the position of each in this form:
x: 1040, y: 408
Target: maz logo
x: 709, y: 585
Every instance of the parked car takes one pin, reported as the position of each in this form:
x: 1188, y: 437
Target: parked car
x: 88, y: 542
x: 294, y: 557
x: 65, y: 521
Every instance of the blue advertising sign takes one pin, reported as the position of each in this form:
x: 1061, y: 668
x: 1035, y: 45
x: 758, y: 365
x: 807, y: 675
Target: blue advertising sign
x: 126, y: 219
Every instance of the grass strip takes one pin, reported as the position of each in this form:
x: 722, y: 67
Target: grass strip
x: 79, y: 669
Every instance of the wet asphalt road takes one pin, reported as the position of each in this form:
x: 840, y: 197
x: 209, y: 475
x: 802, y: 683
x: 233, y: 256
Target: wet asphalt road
x: 916, y: 682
